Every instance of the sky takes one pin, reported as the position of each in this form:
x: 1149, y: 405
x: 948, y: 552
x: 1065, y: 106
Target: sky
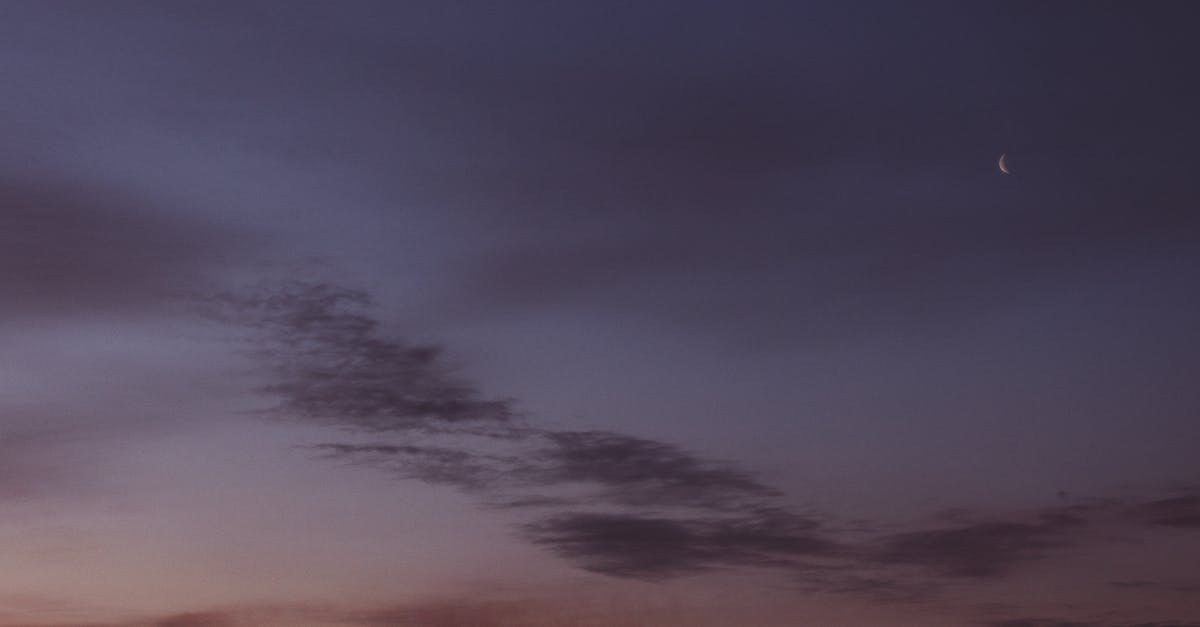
x: 605, y: 314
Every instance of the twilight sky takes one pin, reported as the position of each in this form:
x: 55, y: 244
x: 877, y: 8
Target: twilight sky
x: 605, y: 314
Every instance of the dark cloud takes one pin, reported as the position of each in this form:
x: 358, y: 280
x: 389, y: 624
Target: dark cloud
x: 981, y: 549
x: 332, y: 365
x: 625, y: 546
x: 1181, y: 511
x: 71, y: 248
x: 675, y: 516
x: 637, y: 471
x: 610, y: 502
x: 647, y: 547
x: 457, y: 467
x: 720, y: 516
x: 623, y: 469
x: 874, y: 587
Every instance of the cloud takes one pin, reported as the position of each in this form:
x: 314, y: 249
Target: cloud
x: 611, y: 502
x: 648, y: 547
x: 71, y: 248
x: 332, y: 365
x: 1182, y: 511
x: 619, y: 468
x: 82, y: 265
x: 456, y: 467
x: 637, y: 471
x: 670, y: 511
x: 982, y: 549
x: 707, y: 516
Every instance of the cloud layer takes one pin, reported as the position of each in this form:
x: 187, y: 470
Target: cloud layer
x: 614, y: 503
x: 69, y: 248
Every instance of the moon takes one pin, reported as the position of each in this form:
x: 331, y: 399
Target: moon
x: 1003, y: 166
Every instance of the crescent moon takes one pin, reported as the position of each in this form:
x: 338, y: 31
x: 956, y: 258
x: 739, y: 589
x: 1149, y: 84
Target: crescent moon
x: 1003, y: 166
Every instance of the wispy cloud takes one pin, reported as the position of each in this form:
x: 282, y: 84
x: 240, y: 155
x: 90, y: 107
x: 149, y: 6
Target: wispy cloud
x: 1180, y: 511
x: 71, y: 248
x: 619, y: 504
x: 333, y: 365
x: 611, y: 502
x: 980, y: 549
x: 653, y: 547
